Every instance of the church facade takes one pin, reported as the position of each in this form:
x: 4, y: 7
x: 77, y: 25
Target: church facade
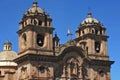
x: 42, y: 57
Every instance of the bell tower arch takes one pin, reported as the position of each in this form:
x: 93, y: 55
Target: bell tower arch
x: 91, y: 36
x: 35, y: 32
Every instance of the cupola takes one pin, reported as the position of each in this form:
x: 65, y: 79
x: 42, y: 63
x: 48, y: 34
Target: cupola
x: 90, y: 20
x: 35, y: 9
x: 35, y: 16
x: 7, y: 53
x: 7, y: 46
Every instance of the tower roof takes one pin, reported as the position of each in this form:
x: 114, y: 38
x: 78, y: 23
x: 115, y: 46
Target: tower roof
x: 34, y: 9
x: 7, y: 43
x: 89, y: 19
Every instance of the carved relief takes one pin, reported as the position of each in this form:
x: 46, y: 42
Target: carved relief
x: 34, y: 72
x: 24, y: 74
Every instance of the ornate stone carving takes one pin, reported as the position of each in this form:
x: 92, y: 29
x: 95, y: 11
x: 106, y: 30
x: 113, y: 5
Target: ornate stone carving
x: 24, y: 74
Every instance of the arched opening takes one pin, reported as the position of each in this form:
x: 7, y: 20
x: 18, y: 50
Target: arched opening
x: 40, y: 40
x: 24, y: 37
x: 97, y: 47
x: 40, y: 22
x: 83, y: 32
x: 24, y: 40
x: 73, y: 62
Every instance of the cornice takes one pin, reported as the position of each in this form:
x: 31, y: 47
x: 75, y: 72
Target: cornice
x: 35, y: 57
x: 92, y: 36
x: 94, y: 62
x: 36, y: 28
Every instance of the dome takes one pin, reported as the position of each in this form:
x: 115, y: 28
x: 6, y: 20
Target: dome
x: 7, y: 55
x: 35, y: 9
x: 90, y: 19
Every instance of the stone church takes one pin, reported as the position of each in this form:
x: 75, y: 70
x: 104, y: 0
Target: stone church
x: 42, y: 57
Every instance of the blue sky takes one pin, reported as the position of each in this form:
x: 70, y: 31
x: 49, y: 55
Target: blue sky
x: 65, y: 13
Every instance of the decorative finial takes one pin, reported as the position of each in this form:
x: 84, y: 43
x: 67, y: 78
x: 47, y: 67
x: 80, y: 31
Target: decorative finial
x: 55, y: 34
x: 102, y: 25
x: 35, y: 3
x: 56, y: 37
x: 89, y: 15
x: 89, y: 9
x: 89, y: 12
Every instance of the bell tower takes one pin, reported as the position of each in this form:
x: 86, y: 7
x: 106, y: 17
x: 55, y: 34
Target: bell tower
x: 35, y: 32
x: 35, y: 46
x: 91, y: 36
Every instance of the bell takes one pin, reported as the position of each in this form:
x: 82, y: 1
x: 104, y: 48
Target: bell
x: 97, y: 49
x: 40, y: 41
